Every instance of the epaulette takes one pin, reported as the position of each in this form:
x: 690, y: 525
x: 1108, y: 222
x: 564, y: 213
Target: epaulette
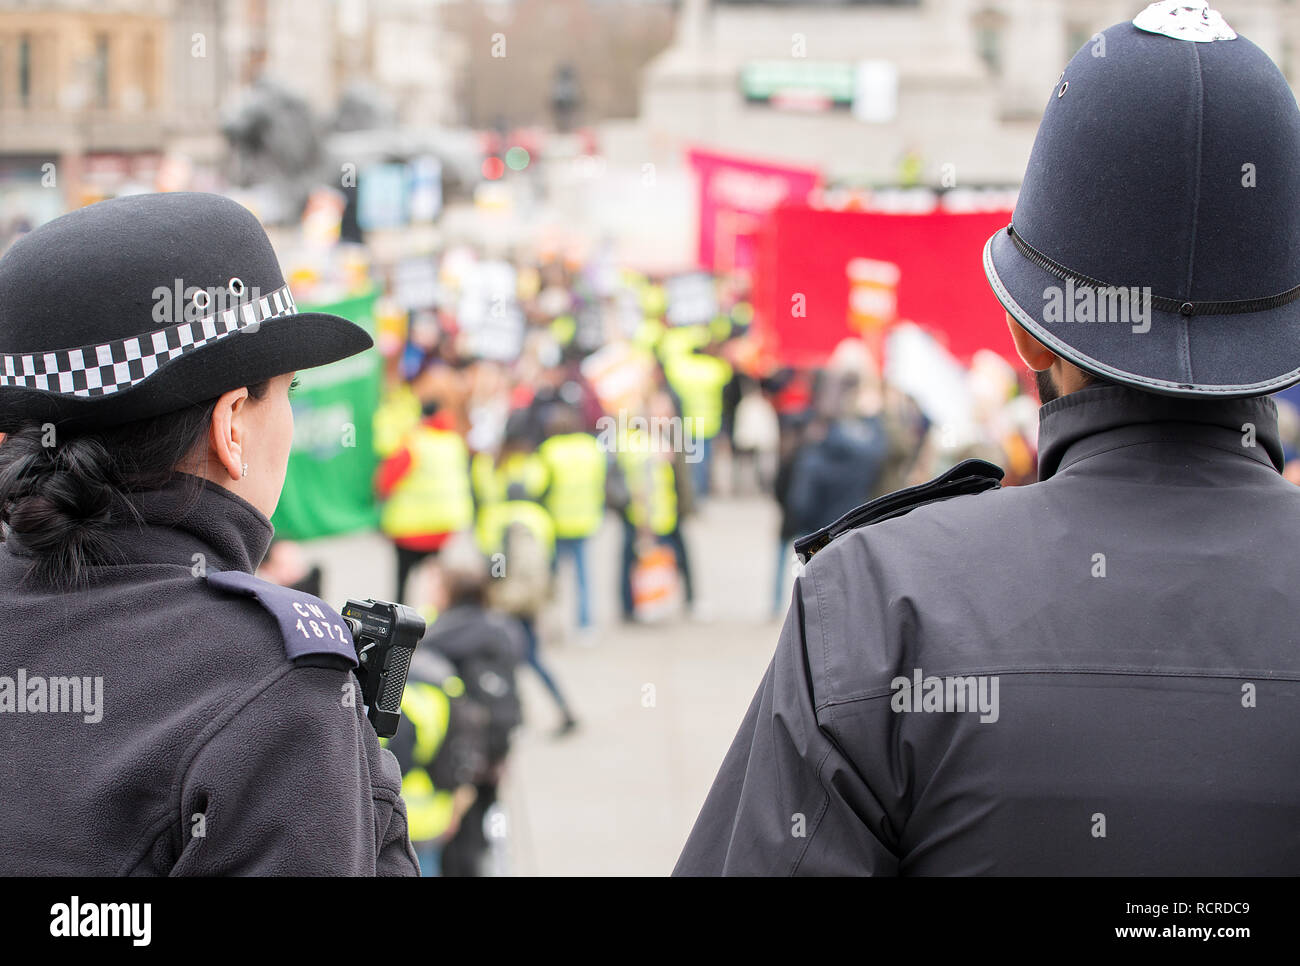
x: 968, y: 476
x: 308, y: 625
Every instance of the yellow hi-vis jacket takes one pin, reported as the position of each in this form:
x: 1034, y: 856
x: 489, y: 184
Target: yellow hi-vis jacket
x: 576, y: 496
x: 680, y: 340
x: 496, y: 512
x: 651, y: 483
x: 397, y: 414
x: 434, y: 495
x: 494, y: 519
x: 428, y: 810
x: 698, y: 381
x: 492, y: 482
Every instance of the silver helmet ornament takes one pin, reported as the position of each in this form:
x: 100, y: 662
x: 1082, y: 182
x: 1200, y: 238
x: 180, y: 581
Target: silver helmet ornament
x: 1185, y: 20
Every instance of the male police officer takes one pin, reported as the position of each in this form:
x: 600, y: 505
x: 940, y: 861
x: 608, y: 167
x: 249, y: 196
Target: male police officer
x: 1096, y: 674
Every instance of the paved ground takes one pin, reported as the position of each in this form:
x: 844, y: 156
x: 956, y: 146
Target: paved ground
x: 658, y: 705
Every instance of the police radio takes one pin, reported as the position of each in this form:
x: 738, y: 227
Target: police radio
x: 385, y: 636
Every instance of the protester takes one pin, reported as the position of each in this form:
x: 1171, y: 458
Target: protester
x: 653, y: 494
x: 426, y: 492
x: 486, y: 648
x: 443, y: 749
x: 575, y: 496
x: 517, y: 534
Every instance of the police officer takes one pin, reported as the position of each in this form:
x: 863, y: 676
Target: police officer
x: 163, y: 711
x: 1095, y: 674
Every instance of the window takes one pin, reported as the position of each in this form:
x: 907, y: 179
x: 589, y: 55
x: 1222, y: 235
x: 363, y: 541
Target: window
x: 990, y: 27
x: 146, y: 68
x: 988, y: 39
x: 1076, y: 35
x: 100, y: 69
x: 25, y: 70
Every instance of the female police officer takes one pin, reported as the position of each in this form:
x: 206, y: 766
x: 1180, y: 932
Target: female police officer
x: 161, y: 710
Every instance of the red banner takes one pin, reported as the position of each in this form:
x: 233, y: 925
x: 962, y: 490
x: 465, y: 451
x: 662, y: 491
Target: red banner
x: 823, y: 276
x: 735, y: 196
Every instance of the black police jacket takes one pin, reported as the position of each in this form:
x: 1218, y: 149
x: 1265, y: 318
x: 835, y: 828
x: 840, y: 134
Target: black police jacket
x: 486, y: 648
x: 1095, y: 674
x: 157, y: 723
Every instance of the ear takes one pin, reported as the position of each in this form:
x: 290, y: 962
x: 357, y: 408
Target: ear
x: 226, y: 433
x: 1032, y: 352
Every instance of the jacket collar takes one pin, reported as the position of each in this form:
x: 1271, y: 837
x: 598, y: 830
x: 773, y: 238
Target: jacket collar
x: 1092, y: 420
x: 187, y: 517
x: 189, y: 508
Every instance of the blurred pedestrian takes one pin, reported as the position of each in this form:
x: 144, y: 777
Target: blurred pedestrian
x: 516, y: 533
x: 839, y: 462
x: 286, y: 565
x: 700, y: 376
x: 425, y: 487
x: 486, y: 648
x: 792, y: 429
x: 442, y: 747
x: 575, y: 496
x: 651, y: 492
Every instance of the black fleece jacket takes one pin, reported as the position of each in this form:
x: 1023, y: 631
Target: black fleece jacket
x: 209, y: 751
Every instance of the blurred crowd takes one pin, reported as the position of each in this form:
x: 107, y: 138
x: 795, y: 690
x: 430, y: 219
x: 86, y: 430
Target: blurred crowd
x: 531, y: 399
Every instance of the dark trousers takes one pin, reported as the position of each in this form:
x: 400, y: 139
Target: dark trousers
x: 673, y: 540
x: 534, y: 659
x: 462, y: 856
x: 407, y: 560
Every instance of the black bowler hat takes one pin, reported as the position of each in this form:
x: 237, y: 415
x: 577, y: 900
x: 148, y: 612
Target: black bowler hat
x: 146, y: 304
x: 1166, y: 175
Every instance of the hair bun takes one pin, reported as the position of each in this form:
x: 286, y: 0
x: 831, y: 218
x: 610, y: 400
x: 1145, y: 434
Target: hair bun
x: 58, y: 500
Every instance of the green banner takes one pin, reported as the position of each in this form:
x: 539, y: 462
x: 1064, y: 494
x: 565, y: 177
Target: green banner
x: 328, y: 489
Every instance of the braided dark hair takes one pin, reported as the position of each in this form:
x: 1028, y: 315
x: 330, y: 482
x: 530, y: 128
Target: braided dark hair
x: 61, y: 492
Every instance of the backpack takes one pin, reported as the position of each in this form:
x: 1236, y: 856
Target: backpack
x: 522, y: 590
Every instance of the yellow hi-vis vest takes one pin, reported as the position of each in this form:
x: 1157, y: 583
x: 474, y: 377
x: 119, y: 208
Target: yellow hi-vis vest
x: 648, y: 333
x: 434, y: 495
x: 492, y: 483
x: 651, y: 483
x: 654, y: 300
x: 680, y: 340
x: 494, y: 519
x: 563, y: 329
x: 698, y: 381
x: 428, y: 809
x: 397, y: 414
x: 576, y: 497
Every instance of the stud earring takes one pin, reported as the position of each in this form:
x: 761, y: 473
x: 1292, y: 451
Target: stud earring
x: 245, y: 469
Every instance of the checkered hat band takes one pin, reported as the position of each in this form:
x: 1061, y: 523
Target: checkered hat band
x: 97, y: 370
